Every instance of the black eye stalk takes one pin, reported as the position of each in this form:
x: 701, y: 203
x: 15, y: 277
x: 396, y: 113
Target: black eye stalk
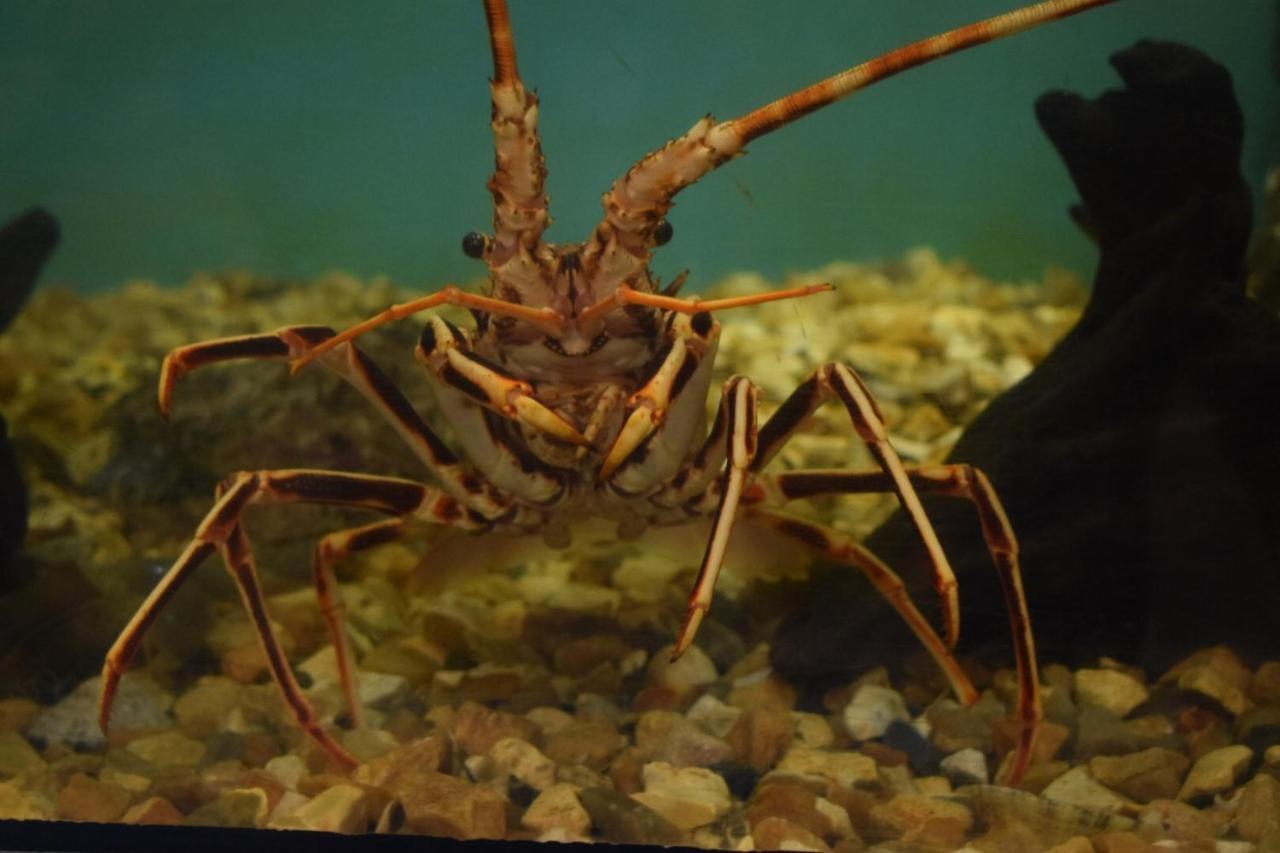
x: 474, y: 244
x: 662, y: 234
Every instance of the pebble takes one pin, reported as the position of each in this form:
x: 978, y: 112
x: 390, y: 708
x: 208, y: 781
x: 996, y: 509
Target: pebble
x: 438, y: 804
x: 592, y: 744
x: 373, y: 689
x: 1264, y: 689
x: 843, y: 767
x: 1078, y: 788
x: 557, y: 807
x: 153, y: 811
x: 1152, y: 774
x: 689, y: 797
x: 762, y: 689
x: 926, y: 822
x: 168, y: 752
x: 549, y: 720
x: 342, y: 808
x: 1100, y: 732
x: 244, y: 808
x: 622, y: 820
x: 671, y: 737
x: 477, y: 728
x: 965, y: 767
x: 17, y: 804
x: 207, y: 706
x: 793, y: 802
x: 760, y: 736
x: 1075, y: 844
x: 1216, y: 771
x: 17, y: 714
x: 871, y: 710
x: 85, y: 798
x: 524, y: 761
x: 17, y: 755
x: 1258, y: 813
x: 287, y: 770
x: 1216, y: 672
x: 689, y: 673
x: 776, y: 833
x: 714, y: 716
x: 1116, y: 691
x: 140, y: 704
x: 430, y: 753
x: 813, y: 730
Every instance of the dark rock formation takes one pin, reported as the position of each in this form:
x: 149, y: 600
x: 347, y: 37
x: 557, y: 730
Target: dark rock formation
x: 1140, y: 462
x: 26, y: 242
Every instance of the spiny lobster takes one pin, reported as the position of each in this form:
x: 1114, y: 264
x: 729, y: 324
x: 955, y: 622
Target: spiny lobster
x: 581, y: 391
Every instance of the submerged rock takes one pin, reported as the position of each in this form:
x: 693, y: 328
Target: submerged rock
x: 1145, y: 441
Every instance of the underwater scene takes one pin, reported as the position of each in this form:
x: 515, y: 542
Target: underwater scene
x: 386, y: 450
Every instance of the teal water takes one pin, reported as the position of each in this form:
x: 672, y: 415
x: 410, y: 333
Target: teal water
x: 296, y: 137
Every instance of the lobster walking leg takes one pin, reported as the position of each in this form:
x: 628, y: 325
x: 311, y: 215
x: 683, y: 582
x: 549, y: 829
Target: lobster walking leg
x: 838, y: 380
x: 969, y: 483
x: 221, y: 530
x: 353, y: 365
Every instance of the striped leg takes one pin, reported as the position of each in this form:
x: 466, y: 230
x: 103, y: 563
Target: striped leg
x: 956, y: 480
x: 329, y: 551
x: 359, y: 370
x: 221, y: 530
x: 741, y: 397
x: 840, y: 381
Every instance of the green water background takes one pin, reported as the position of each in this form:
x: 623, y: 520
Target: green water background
x: 294, y: 137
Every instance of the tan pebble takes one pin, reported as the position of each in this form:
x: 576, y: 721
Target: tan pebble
x: 206, y: 707
x: 282, y: 816
x: 524, y: 761
x: 17, y: 804
x: 1008, y: 835
x: 243, y: 664
x: 715, y: 717
x: 1152, y: 774
x: 837, y: 816
x: 243, y: 808
x: 168, y: 750
x: 1079, y: 788
x: 17, y: 714
x: 549, y: 720
x: 1258, y: 812
x: 689, y: 797
x: 437, y: 804
x: 923, y: 821
x: 1264, y: 689
x: 477, y: 728
x: 1078, y: 844
x: 557, y: 807
x: 1215, y: 672
x: 134, y: 783
x: 85, y: 798
x: 760, y: 736
x: 17, y: 756
x: 669, y: 736
x: 1216, y: 771
x: 592, y: 744
x: 366, y: 744
x: 1272, y: 755
x: 792, y: 802
x: 762, y: 690
x: 342, y: 808
x: 1179, y: 821
x: 844, y: 767
x: 812, y: 730
x: 153, y: 811
x: 775, y: 833
x: 426, y: 754
x: 690, y: 672
x: 1116, y: 691
x: 287, y: 769
x: 1121, y: 842
x: 934, y: 786
x: 871, y: 710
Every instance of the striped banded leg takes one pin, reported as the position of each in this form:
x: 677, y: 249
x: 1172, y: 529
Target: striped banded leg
x: 221, y: 530
x: 360, y: 371
x: 741, y: 397
x: 960, y: 481
x: 329, y: 551
x: 838, y: 380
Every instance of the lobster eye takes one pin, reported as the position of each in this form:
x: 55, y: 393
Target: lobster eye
x: 662, y: 234
x: 473, y: 244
